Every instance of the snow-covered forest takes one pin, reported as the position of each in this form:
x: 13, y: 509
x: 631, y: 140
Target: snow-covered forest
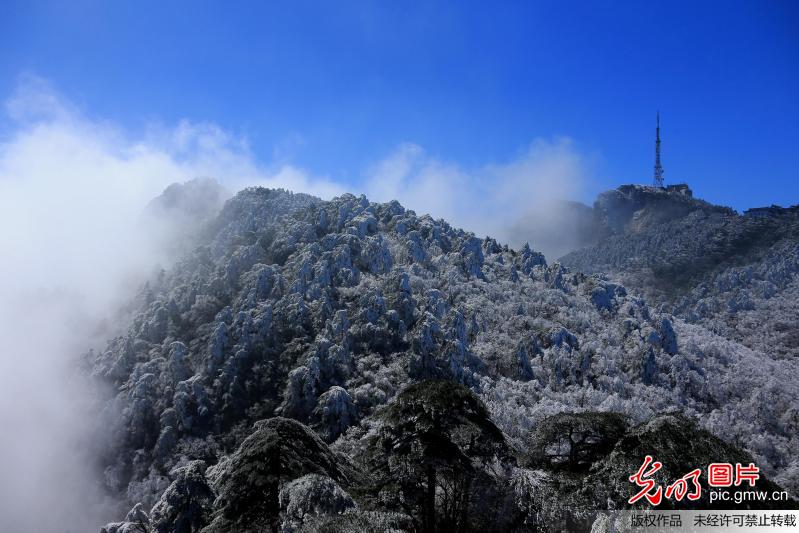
x: 347, y: 365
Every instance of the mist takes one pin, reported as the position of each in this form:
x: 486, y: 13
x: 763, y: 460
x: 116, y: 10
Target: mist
x: 74, y: 248
x: 526, y: 200
x: 72, y: 192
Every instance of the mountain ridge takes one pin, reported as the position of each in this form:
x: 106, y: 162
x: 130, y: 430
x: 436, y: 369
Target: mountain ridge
x: 707, y: 264
x: 325, y: 313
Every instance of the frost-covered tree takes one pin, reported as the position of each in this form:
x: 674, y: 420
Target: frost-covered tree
x: 248, y: 486
x: 575, y: 440
x: 324, y: 312
x: 437, y: 436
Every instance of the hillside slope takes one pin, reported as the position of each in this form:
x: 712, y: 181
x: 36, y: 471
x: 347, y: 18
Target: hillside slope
x: 276, y: 363
x: 734, y: 274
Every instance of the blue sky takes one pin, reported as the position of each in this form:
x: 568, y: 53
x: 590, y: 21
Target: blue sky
x: 334, y: 87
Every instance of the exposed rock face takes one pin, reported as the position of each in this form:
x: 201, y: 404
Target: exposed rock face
x: 297, y: 320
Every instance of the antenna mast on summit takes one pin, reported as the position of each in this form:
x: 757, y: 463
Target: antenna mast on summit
x: 658, y: 166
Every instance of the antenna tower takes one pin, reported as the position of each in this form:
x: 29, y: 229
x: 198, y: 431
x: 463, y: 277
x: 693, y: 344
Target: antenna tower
x: 658, y: 166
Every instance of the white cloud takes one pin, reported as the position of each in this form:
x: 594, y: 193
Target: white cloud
x: 71, y: 193
x: 494, y: 199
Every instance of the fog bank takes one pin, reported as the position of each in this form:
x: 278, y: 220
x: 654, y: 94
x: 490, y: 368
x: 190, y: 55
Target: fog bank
x: 72, y: 193
x: 522, y: 200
